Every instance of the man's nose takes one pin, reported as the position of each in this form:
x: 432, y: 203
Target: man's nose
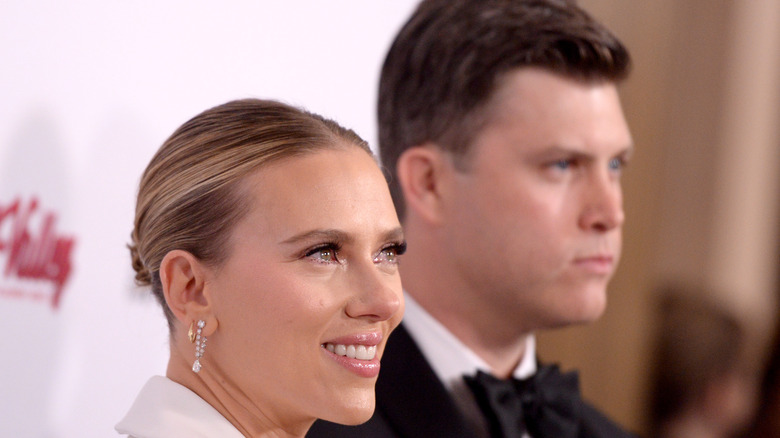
x: 603, y: 203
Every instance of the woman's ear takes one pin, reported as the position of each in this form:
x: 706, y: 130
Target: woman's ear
x: 419, y: 170
x: 184, y: 279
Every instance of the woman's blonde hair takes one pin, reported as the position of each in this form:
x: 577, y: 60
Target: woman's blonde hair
x: 190, y: 197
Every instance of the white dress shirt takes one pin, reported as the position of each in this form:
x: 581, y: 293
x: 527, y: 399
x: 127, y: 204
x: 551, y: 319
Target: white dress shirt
x: 451, y: 360
x: 166, y: 409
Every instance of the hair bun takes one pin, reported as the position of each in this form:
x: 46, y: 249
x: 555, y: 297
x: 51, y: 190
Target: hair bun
x: 142, y: 275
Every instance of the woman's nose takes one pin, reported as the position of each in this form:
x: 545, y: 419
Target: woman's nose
x: 375, y: 295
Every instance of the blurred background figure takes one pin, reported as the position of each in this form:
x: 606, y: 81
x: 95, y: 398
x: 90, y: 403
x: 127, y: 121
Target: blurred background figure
x: 700, y: 387
x: 766, y: 422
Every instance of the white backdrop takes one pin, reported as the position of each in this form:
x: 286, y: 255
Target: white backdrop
x: 88, y: 92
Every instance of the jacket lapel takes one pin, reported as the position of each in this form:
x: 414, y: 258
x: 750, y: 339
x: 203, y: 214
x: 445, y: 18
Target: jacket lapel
x: 411, y: 397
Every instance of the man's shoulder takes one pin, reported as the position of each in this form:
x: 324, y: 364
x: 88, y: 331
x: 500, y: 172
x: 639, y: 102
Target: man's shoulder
x: 593, y: 423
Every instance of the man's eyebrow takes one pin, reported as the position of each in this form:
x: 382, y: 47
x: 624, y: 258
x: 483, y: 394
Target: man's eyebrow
x: 626, y: 151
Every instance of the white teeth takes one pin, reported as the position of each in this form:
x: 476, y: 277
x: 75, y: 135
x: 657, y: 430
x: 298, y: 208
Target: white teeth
x: 360, y: 352
x: 365, y: 353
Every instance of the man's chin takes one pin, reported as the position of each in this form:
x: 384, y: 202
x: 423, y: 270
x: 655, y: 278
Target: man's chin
x: 592, y: 308
x: 587, y: 308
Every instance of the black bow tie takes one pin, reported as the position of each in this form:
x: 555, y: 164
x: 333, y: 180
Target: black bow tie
x: 545, y: 404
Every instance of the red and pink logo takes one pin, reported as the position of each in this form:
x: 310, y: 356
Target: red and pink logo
x: 35, y: 253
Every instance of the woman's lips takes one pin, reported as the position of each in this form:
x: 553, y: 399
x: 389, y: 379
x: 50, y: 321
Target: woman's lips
x: 365, y: 338
x: 356, y: 353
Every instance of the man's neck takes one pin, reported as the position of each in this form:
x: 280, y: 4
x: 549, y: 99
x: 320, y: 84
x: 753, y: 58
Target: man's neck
x: 450, y: 301
x: 502, y: 356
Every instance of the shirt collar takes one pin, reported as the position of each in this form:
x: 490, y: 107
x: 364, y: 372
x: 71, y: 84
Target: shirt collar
x: 447, y: 355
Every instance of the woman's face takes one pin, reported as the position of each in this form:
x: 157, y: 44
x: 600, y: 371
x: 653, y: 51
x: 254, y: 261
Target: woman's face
x: 310, y: 290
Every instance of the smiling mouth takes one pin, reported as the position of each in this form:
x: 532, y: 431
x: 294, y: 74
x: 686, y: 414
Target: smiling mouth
x: 359, y: 352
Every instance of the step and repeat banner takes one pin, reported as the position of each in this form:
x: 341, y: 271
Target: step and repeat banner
x: 88, y: 92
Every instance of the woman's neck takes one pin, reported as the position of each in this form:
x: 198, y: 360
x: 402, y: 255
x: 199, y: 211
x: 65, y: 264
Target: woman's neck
x: 245, y: 414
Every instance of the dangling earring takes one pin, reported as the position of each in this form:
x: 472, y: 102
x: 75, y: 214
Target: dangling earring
x: 200, y: 344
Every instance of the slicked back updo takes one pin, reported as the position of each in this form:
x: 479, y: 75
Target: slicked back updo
x: 190, y: 197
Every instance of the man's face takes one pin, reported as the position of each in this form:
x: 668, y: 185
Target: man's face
x: 534, y: 211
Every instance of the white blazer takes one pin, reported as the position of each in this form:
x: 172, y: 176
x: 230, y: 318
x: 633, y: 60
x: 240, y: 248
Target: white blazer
x: 166, y: 409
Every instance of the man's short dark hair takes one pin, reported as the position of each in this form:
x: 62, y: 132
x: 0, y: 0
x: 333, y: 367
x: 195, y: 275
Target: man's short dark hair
x: 446, y: 62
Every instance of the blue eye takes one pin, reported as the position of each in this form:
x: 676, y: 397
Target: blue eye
x: 616, y: 164
x: 562, y: 164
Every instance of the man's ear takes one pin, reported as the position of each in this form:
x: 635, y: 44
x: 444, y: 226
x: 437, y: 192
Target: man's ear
x: 183, y: 279
x: 420, y: 172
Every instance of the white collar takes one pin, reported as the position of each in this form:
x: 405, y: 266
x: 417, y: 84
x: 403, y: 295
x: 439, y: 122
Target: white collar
x: 167, y: 409
x: 451, y: 360
x: 447, y: 355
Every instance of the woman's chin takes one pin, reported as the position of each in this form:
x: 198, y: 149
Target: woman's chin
x: 354, y: 413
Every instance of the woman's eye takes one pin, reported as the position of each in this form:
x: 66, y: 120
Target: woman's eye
x: 386, y: 255
x: 562, y: 164
x: 390, y: 254
x: 326, y: 254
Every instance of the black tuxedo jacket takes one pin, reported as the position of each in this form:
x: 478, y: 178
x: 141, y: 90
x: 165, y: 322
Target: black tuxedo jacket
x: 413, y: 403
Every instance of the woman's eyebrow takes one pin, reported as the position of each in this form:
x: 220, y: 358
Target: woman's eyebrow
x: 319, y: 234
x: 396, y: 234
